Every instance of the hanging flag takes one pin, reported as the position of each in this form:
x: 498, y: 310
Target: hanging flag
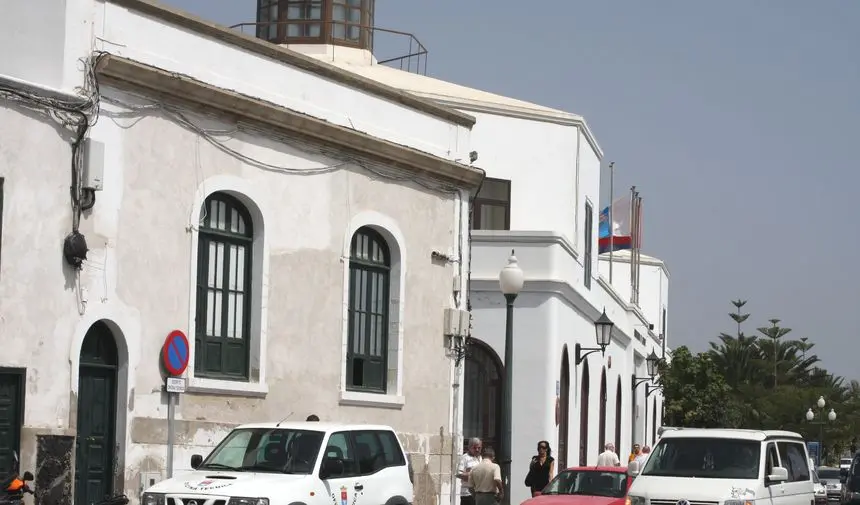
x: 620, y: 235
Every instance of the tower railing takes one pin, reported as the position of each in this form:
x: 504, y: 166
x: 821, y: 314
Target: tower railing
x: 415, y: 59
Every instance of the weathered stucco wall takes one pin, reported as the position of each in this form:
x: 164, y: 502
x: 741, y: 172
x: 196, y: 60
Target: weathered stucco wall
x: 139, y: 278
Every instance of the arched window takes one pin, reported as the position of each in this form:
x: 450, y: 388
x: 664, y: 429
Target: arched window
x: 601, y: 429
x: 222, y: 340
x: 369, y: 300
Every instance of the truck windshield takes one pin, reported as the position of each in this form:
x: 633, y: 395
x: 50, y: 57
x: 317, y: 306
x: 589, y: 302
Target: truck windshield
x: 709, y: 458
x: 266, y: 450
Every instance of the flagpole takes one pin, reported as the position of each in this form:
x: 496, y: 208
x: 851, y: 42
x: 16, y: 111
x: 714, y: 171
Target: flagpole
x: 611, y: 224
x: 632, y: 244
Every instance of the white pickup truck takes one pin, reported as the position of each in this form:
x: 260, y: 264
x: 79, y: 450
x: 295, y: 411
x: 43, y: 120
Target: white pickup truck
x: 306, y: 463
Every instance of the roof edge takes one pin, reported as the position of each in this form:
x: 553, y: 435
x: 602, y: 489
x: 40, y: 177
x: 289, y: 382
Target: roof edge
x: 532, y: 114
x: 151, y: 81
x: 295, y: 59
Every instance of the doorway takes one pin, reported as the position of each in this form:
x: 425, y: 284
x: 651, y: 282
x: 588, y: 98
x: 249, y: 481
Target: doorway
x: 583, y: 416
x: 95, y: 445
x: 482, y: 396
x: 601, y: 430
x: 618, y: 418
x: 11, y: 414
x: 564, y: 410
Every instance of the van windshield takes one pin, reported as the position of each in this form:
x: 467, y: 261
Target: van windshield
x: 709, y: 458
x: 266, y: 450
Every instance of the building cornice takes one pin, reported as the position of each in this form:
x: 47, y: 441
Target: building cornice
x: 556, y: 287
x: 519, y: 112
x: 172, y: 87
x: 524, y: 237
x: 643, y: 260
x: 295, y: 59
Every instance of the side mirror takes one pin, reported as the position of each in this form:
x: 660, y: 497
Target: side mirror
x: 28, y: 477
x: 196, y: 461
x: 633, y: 468
x: 778, y: 474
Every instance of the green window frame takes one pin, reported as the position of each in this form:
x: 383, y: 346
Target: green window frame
x: 224, y: 260
x: 369, y: 301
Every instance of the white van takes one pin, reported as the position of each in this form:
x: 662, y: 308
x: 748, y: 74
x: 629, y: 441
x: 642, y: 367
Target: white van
x: 696, y: 466
x: 306, y: 463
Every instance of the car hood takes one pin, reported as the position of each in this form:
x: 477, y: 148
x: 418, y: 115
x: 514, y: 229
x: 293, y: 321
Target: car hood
x: 572, y: 499
x: 249, y: 484
x: 693, y: 489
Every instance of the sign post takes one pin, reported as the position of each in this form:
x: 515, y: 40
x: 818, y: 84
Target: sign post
x: 174, y: 357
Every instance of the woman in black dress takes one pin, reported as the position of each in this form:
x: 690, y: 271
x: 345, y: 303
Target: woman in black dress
x: 541, y: 468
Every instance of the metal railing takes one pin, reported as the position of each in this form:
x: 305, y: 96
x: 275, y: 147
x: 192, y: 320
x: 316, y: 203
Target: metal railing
x: 415, y: 59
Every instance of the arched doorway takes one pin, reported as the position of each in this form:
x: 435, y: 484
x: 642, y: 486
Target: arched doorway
x: 654, y: 422
x: 601, y: 429
x: 634, y: 414
x: 618, y: 400
x: 482, y: 396
x: 583, y: 416
x: 95, y: 445
x: 564, y: 410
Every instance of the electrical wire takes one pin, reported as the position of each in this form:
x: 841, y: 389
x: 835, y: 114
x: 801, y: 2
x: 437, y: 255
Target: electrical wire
x: 183, y: 117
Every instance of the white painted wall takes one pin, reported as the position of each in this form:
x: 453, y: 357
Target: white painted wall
x: 138, y: 275
x: 539, y: 159
x: 554, y: 311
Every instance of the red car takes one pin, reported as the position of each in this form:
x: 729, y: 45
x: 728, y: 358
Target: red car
x: 586, y: 485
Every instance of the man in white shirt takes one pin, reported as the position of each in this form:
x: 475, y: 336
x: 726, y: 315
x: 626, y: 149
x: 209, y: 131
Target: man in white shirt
x: 608, y: 457
x: 468, y: 460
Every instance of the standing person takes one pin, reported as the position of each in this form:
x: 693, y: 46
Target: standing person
x: 486, y: 480
x: 313, y: 417
x: 608, y: 456
x: 635, y: 452
x: 642, y: 457
x: 541, y: 468
x: 468, y: 460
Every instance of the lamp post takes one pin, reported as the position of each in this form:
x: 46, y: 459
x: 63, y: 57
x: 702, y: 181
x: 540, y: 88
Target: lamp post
x: 810, y: 416
x: 651, y: 368
x: 511, y: 282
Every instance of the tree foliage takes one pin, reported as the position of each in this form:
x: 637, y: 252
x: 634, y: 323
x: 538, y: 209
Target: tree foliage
x: 763, y: 381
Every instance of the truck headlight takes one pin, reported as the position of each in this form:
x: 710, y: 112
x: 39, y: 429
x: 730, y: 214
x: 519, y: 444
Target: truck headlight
x: 634, y: 500
x: 152, y: 499
x: 237, y: 500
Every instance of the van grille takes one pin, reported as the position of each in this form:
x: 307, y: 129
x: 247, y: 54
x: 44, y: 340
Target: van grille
x: 172, y: 500
x: 675, y: 502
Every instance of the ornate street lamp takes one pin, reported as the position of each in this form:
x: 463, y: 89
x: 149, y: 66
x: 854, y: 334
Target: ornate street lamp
x: 603, y: 334
x: 510, y: 282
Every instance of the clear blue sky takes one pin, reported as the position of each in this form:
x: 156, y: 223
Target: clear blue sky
x: 737, y: 120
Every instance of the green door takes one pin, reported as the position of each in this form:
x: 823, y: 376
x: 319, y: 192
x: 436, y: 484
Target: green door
x: 11, y: 415
x: 95, y: 446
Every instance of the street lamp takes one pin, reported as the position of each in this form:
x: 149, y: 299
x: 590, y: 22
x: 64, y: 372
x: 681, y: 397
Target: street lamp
x: 510, y: 282
x: 651, y: 363
x: 603, y: 334
x: 831, y: 417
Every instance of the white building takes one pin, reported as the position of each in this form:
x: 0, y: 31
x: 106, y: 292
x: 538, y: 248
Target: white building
x: 312, y: 140
x: 541, y: 198
x: 258, y: 200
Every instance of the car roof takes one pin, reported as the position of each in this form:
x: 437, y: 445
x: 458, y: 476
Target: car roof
x: 317, y: 426
x: 614, y: 469
x: 729, y: 433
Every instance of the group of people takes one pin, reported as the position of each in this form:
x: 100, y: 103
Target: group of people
x: 481, y: 476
